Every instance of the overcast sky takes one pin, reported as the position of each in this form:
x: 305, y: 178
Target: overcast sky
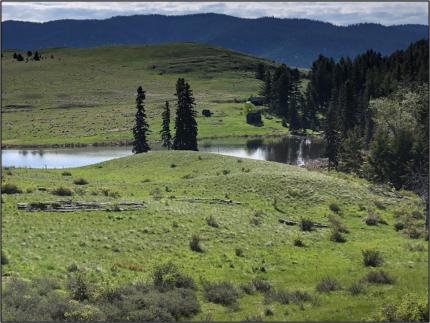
x: 335, y: 12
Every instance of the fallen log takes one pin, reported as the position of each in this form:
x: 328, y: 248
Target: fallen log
x: 72, y: 206
x: 206, y: 200
x: 291, y: 222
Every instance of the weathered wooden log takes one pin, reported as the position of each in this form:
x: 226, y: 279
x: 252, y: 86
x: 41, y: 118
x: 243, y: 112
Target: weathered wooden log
x: 291, y: 222
x: 206, y: 200
x: 71, y: 206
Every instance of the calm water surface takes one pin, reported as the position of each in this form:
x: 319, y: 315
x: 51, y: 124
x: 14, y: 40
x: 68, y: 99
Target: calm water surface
x: 290, y: 150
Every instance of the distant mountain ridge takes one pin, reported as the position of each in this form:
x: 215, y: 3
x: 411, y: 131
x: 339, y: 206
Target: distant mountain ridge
x: 296, y: 42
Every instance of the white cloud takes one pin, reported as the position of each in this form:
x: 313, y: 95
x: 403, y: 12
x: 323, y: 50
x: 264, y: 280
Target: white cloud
x: 345, y: 13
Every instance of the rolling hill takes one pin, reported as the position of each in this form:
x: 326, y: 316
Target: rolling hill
x: 296, y: 42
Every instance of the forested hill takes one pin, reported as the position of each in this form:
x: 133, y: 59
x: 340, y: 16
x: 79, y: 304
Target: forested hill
x: 296, y: 42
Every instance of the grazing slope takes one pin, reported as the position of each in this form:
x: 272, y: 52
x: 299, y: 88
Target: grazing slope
x: 121, y: 247
x: 296, y: 42
x: 88, y: 95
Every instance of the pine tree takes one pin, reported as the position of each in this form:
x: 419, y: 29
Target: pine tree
x: 36, y: 56
x: 29, y: 53
x: 280, y: 91
x: 260, y: 73
x: 166, y: 137
x: 185, y: 123
x: 350, y: 154
x: 266, y: 89
x: 331, y: 134
x: 293, y: 106
x: 141, y: 128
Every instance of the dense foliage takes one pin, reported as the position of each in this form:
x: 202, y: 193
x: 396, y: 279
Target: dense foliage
x: 141, y: 128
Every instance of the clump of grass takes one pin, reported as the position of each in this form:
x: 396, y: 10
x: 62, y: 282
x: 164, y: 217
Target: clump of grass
x: 238, y: 252
x: 62, y: 191
x: 195, y: 243
x: 356, y: 288
x: 413, y: 233
x: 378, y: 277
x: 226, y: 171
x: 72, y: 267
x: 223, y: 293
x: 334, y: 207
x: 66, y: 173
x: 379, y: 205
x: 247, y: 288
x: 80, y: 181
x: 372, y: 258
x: 327, y: 285
x: 173, y: 165
x: 306, y: 225
x: 298, y: 242
x: 4, y: 257
x: 399, y: 226
x: 156, y: 194
x: 337, y: 224
x: 372, y: 218
x: 299, y: 297
x: 211, y: 221
x: 337, y: 236
x: 29, y: 190
x: 255, y: 221
x: 261, y: 285
x: 9, y: 188
x: 415, y: 247
x: 268, y: 312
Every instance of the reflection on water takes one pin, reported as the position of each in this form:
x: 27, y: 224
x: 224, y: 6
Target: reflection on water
x: 290, y: 150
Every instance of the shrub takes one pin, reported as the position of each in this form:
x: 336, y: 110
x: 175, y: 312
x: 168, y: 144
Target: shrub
x: 80, y: 181
x: 66, y: 173
x: 409, y: 309
x: 226, y: 171
x: 4, y: 258
x: 337, y: 224
x: 223, y: 293
x: 378, y: 277
x: 238, y: 252
x: 195, y: 243
x: 399, y: 226
x: 72, y: 267
x: 327, y: 284
x: 334, y: 208
x: 29, y: 190
x: 9, y: 188
x: 62, y: 191
x: 413, y: 233
x: 172, y: 165
x: 247, y: 288
x: 78, y: 287
x: 167, y: 276
x: 371, y: 219
x: 306, y: 225
x: 211, y: 221
x: 336, y: 236
x: 379, y: 205
x: 356, y: 288
x: 298, y: 242
x: 255, y: 221
x: 261, y: 285
x: 281, y: 296
x: 372, y: 258
x: 268, y: 311
x: 298, y: 296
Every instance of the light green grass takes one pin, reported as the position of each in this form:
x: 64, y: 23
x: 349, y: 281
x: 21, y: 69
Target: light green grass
x: 43, y: 243
x: 88, y: 95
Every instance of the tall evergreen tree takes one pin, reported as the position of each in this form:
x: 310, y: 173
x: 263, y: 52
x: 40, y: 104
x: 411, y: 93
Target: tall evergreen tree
x: 293, y: 107
x: 36, y: 56
x: 266, y: 89
x: 260, y: 73
x: 350, y: 154
x: 141, y: 128
x: 166, y: 137
x: 280, y: 91
x: 185, y: 123
x: 331, y: 134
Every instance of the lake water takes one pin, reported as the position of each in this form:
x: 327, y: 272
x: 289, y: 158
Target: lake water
x: 290, y: 150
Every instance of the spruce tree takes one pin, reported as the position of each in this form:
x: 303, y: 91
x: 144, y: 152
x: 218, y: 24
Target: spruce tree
x: 185, y: 123
x: 36, y: 56
x: 350, y: 154
x: 266, y: 89
x: 293, y: 106
x: 166, y: 137
x: 141, y: 128
x: 331, y: 135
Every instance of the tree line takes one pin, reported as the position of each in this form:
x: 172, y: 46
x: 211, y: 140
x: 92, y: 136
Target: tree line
x: 185, y: 137
x: 36, y: 56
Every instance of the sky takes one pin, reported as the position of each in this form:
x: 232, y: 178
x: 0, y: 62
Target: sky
x: 338, y: 13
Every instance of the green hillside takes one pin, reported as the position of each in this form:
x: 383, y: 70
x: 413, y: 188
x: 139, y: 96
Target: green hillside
x: 88, y: 95
x: 180, y: 191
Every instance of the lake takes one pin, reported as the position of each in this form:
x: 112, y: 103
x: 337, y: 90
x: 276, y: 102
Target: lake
x: 291, y: 150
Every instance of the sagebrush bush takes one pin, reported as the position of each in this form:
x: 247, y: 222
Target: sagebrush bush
x: 378, y: 277
x: 298, y: 296
x: 334, y: 207
x: 255, y: 221
x: 223, y: 293
x: 80, y: 181
x: 372, y: 258
x: 356, y: 288
x: 409, y: 309
x: 306, y: 225
x: 79, y: 287
x: 195, y: 243
x: 167, y: 276
x: 336, y: 236
x: 211, y: 221
x: 281, y: 296
x: 379, y: 205
x: 72, y: 267
x: 66, y: 173
x: 399, y: 226
x: 238, y: 252
x: 327, y: 284
x: 337, y: 224
x: 413, y: 233
x: 9, y: 188
x: 261, y: 285
x: 268, y: 311
x: 62, y: 191
x: 298, y: 242
x: 247, y: 288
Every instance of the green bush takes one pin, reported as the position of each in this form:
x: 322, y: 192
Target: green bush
x: 379, y: 205
x: 78, y: 287
x: 372, y: 258
x: 223, y: 293
x: 378, y: 277
x: 298, y: 296
x: 399, y: 226
x: 247, y: 288
x: 211, y: 221
x: 336, y: 236
x: 356, y: 288
x: 66, y: 173
x: 337, y: 224
x: 238, y: 252
x: 195, y: 243
x: 306, y: 225
x: 4, y: 257
x: 409, y: 309
x: 62, y: 191
x: 9, y: 188
x: 261, y: 285
x: 80, y: 181
x: 167, y: 276
x: 268, y: 311
x: 327, y: 284
x: 334, y: 208
x: 298, y: 242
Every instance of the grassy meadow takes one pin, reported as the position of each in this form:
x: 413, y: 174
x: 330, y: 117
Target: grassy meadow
x: 249, y: 242
x: 88, y: 95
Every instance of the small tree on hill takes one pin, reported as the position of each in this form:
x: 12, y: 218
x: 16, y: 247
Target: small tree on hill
x: 350, y: 154
x: 29, y: 53
x: 260, y: 73
x: 36, y: 56
x: 15, y: 56
x: 185, y: 123
x: 166, y: 137
x: 266, y: 88
x: 331, y: 136
x: 141, y: 128
x: 19, y: 58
